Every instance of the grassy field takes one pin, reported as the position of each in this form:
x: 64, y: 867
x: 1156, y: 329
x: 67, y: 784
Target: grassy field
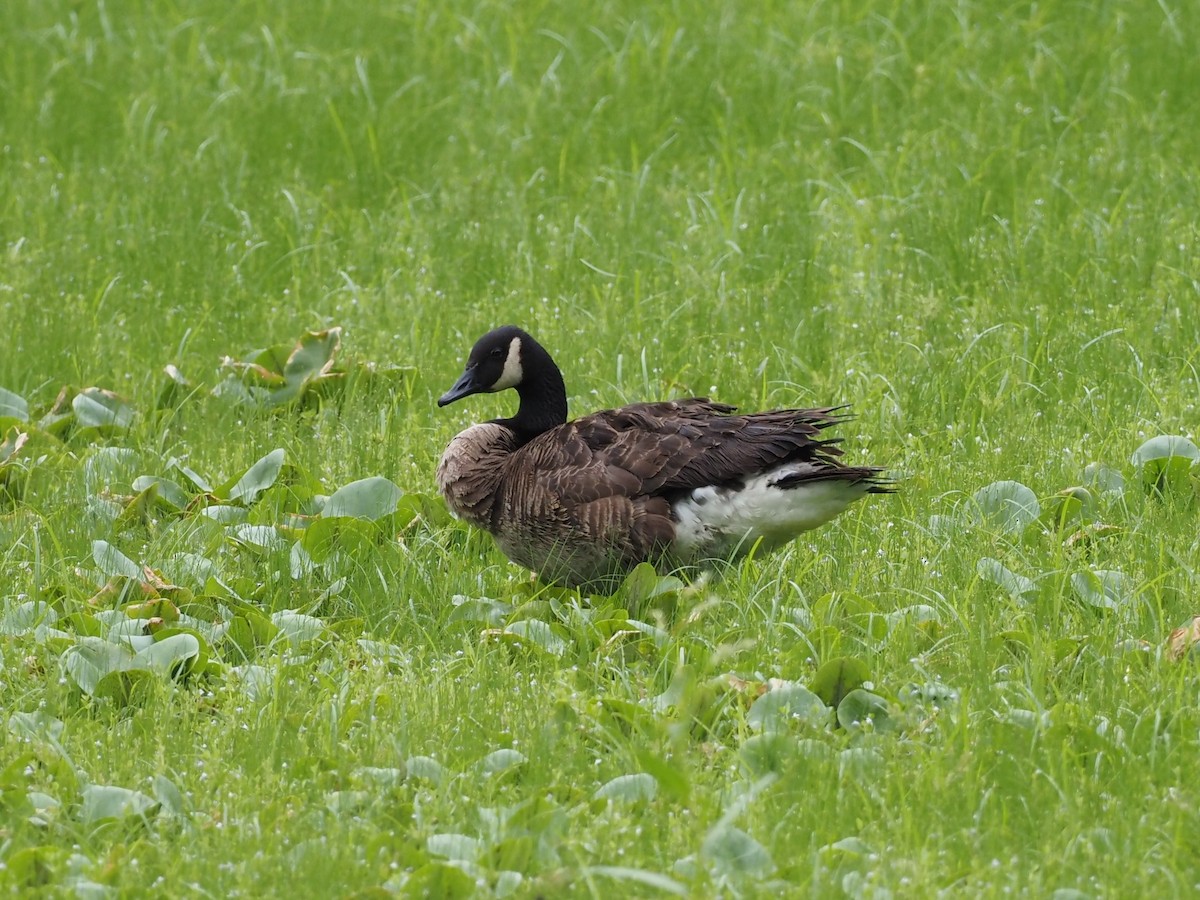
x: 975, y: 221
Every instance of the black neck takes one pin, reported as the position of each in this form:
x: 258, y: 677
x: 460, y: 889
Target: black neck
x: 542, y: 392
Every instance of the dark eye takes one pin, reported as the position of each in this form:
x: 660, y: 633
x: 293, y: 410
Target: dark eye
x: 497, y: 351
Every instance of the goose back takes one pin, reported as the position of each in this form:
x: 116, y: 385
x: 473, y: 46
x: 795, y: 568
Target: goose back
x: 583, y: 502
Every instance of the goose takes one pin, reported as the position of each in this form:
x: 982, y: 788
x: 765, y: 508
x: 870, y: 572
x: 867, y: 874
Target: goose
x: 677, y: 483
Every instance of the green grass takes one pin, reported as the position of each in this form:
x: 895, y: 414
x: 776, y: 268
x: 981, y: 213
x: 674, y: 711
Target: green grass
x: 975, y: 221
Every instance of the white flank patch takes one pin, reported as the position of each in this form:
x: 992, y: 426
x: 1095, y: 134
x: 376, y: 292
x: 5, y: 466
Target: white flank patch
x: 512, y: 374
x: 718, y: 522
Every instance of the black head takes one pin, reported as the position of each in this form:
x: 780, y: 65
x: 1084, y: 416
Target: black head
x: 495, y: 364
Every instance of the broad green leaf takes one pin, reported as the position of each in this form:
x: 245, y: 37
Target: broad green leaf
x: 42, y: 804
x: 814, y: 750
x: 483, y: 610
x: 112, y: 561
x: 1032, y: 720
x: 761, y: 754
x: 671, y: 778
x: 507, y: 883
x: 266, y: 364
x: 257, y: 681
x: 501, y: 761
x: 428, y: 508
x: 734, y: 853
x: 313, y: 355
x: 37, y: 725
x: 1103, y: 588
x: 257, y: 537
x: 234, y: 390
x: 348, y: 803
x: 13, y: 406
x: 1165, y: 463
x: 91, y: 659
x: 257, y: 478
x: 140, y: 510
x: 1016, y: 586
x: 453, y: 846
x: 660, y: 637
x: 931, y: 693
x: 109, y: 466
x: 32, y: 868
x: 1006, y: 505
x: 97, y: 408
x: 304, y: 365
x: 323, y: 537
x: 1103, y: 478
x: 1067, y: 506
x: 127, y: 630
x: 538, y: 633
x: 126, y: 687
x: 852, y: 846
x: 444, y: 881
x: 26, y: 617
x: 370, y: 498
x: 856, y: 762
x: 788, y: 702
x: 1165, y: 446
x: 534, y: 608
x: 426, y: 768
x: 683, y: 681
x: 102, y: 511
x: 169, y: 797
x: 169, y: 492
x: 644, y: 583
x: 655, y: 880
x: 300, y: 562
x: 240, y: 642
x: 105, y: 801
x: 172, y: 655
x: 225, y: 515
x: 638, y: 788
x: 298, y: 627
x: 192, y: 569
x: 944, y: 527
x: 917, y: 614
x: 838, y: 677
x: 199, y: 483
x: 862, y: 709
x: 384, y: 652
x: 380, y: 776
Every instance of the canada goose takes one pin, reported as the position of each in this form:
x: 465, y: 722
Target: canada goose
x: 677, y: 482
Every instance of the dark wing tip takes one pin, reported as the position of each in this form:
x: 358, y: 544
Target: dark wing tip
x: 873, y: 477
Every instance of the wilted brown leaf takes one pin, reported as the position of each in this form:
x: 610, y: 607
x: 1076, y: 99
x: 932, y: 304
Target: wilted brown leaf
x: 119, y: 588
x: 107, y: 595
x: 1088, y: 535
x: 12, y: 444
x: 154, y: 578
x: 1183, y: 639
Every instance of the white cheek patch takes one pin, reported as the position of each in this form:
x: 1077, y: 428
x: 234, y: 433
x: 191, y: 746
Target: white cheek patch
x: 512, y: 374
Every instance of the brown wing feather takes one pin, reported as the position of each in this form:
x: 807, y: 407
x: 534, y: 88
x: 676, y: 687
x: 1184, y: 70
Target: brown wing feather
x: 663, y: 449
x: 594, y: 496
